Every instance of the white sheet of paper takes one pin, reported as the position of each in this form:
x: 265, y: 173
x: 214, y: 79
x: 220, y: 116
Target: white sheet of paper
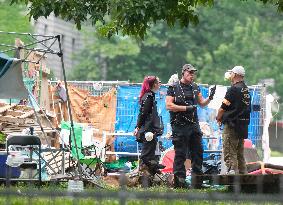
x: 64, y: 136
x: 218, y: 97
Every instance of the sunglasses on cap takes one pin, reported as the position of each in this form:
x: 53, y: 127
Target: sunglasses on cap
x: 191, y: 72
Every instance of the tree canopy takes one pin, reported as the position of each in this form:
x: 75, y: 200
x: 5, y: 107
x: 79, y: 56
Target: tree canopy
x: 13, y: 18
x: 246, y: 33
x: 130, y: 17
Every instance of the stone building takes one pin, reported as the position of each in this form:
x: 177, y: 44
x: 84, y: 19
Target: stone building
x: 71, y: 40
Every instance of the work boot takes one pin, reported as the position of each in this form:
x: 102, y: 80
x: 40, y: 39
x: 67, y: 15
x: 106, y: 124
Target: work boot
x: 144, y: 170
x: 154, y: 167
x: 145, y: 178
x: 160, y: 166
x: 179, y: 182
x: 197, y: 181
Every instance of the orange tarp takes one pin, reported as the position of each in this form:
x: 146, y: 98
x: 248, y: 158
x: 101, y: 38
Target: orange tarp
x: 99, y: 111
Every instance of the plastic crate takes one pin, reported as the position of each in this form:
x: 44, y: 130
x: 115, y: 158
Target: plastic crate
x: 16, y: 172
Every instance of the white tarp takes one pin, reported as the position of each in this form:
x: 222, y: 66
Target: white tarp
x: 218, y: 97
x: 11, y: 79
x: 265, y: 134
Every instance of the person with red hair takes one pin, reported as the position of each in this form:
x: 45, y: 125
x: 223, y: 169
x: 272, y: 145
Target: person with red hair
x: 148, y: 125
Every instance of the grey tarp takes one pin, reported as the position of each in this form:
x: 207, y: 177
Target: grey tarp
x: 11, y: 78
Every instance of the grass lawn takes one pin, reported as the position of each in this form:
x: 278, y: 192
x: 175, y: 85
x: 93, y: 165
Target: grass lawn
x: 276, y: 154
x: 21, y: 196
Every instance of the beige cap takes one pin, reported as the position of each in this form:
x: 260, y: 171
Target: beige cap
x: 240, y: 70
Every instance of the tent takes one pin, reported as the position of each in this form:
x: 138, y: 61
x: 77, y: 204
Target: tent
x: 11, y: 79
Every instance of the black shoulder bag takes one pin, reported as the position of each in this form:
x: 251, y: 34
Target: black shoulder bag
x: 153, y: 124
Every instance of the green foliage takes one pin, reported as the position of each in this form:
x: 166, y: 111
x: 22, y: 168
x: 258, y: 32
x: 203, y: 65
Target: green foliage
x: 2, y: 138
x: 232, y: 33
x: 131, y: 17
x: 13, y: 19
x: 99, y: 52
x: 276, y: 154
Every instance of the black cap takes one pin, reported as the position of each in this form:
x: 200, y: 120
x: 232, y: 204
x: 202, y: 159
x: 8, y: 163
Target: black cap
x: 188, y: 67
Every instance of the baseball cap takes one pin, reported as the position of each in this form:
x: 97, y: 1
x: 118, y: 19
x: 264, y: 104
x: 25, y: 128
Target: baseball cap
x: 240, y: 70
x: 188, y: 67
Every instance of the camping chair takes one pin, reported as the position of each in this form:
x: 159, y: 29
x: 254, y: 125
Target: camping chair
x: 88, y: 156
x: 25, y: 140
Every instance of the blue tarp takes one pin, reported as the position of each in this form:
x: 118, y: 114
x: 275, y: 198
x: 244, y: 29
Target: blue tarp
x: 128, y: 109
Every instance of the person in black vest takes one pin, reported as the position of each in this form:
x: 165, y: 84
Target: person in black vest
x: 146, y: 130
x: 234, y: 113
x: 181, y: 101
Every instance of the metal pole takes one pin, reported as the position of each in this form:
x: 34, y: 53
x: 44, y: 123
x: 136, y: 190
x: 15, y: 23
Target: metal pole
x: 15, y: 33
x: 30, y: 44
x: 69, y: 107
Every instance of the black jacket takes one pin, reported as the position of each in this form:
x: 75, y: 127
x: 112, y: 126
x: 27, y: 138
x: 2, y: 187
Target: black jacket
x: 148, y: 119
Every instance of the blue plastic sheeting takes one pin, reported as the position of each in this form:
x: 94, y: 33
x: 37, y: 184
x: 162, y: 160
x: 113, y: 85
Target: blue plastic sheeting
x: 256, y: 124
x: 15, y: 171
x: 5, y: 63
x: 128, y: 109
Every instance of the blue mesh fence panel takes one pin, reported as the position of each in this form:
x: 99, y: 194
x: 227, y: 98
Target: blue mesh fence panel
x: 128, y: 109
x: 126, y: 116
x: 255, y: 127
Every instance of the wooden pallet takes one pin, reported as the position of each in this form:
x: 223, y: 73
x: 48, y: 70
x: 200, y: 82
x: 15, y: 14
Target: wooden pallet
x: 54, y: 158
x: 15, y: 118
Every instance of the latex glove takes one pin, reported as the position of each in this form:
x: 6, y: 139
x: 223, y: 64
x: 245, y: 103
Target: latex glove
x: 149, y: 136
x: 191, y: 108
x: 212, y: 92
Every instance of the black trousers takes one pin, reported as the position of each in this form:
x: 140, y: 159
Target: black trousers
x: 187, y: 139
x: 148, y: 151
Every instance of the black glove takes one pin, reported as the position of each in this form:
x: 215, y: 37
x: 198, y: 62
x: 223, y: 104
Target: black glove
x: 190, y: 108
x: 212, y: 92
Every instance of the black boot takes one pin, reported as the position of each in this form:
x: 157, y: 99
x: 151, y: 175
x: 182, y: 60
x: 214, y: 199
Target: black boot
x: 154, y: 167
x: 197, y: 182
x: 179, y: 182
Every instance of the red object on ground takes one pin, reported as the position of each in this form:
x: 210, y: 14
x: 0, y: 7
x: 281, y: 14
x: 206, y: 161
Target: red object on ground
x: 266, y: 171
x: 167, y: 161
x: 248, y: 143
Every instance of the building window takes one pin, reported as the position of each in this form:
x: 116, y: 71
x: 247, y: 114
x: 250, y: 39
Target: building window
x: 73, y: 45
x: 45, y: 29
x: 73, y: 50
x: 62, y: 41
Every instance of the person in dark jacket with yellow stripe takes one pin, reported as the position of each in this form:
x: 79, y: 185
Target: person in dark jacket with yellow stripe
x: 234, y: 113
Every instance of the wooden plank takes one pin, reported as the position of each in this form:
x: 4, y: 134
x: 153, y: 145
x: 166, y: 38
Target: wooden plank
x: 23, y: 108
x: 240, y: 179
x: 12, y: 119
x: 3, y: 125
x: 27, y: 114
x: 6, y: 107
x: 14, y: 113
x: 12, y: 129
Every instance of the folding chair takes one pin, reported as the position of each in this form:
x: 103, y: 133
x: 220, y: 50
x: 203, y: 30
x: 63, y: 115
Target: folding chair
x: 29, y: 141
x: 92, y: 163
